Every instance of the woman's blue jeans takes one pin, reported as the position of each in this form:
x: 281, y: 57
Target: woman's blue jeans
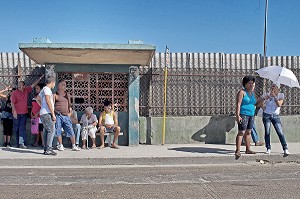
x: 254, y: 134
x: 275, y: 120
x: 77, y: 130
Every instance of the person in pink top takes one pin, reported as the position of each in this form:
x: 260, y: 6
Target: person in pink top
x: 36, y: 123
x: 19, y: 102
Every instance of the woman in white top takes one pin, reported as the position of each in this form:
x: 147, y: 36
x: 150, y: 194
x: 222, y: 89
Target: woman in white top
x: 89, y: 122
x: 273, y: 102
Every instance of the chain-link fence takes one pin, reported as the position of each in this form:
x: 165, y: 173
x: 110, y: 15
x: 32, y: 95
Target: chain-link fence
x: 207, y: 85
x: 15, y: 67
x: 197, y: 84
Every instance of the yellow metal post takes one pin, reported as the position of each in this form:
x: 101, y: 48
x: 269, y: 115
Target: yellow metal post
x: 165, y: 95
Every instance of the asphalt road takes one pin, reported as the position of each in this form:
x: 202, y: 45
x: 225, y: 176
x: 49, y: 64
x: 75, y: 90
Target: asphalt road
x: 243, y: 180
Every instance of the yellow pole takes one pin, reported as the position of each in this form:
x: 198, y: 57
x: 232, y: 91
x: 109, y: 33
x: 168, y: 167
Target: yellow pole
x: 165, y: 107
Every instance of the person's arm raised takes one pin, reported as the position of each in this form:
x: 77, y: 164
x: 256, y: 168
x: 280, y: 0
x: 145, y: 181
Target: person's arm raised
x: 2, y: 91
x: 278, y: 101
x: 37, y: 81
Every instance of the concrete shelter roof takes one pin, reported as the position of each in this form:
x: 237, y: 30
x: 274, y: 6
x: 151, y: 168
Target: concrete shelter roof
x: 89, y: 53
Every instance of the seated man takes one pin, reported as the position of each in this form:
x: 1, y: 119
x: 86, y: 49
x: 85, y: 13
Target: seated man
x: 76, y: 126
x: 89, y: 122
x: 108, y: 122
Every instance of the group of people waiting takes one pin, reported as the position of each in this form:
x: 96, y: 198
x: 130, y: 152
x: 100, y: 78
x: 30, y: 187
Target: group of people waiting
x: 247, y: 103
x: 51, y: 114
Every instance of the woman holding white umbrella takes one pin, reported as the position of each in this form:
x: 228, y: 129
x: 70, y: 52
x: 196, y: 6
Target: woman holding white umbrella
x: 274, y: 100
x: 273, y: 103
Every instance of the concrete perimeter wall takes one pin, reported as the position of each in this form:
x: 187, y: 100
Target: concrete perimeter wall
x: 218, y: 129
x: 193, y: 129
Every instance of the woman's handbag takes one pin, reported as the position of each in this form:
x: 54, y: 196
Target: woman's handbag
x: 35, y: 126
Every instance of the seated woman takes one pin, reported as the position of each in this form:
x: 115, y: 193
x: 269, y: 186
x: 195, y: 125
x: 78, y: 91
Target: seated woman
x: 89, y: 122
x: 108, y: 122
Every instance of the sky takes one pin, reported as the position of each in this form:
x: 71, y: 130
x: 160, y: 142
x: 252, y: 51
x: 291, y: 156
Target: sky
x: 200, y: 26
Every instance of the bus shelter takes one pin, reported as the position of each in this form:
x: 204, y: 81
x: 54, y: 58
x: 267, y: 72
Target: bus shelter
x: 97, y: 72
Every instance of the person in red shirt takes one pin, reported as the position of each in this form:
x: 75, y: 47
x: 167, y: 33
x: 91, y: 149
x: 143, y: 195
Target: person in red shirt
x: 19, y: 102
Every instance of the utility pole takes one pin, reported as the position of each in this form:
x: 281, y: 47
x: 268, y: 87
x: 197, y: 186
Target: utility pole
x: 265, y: 35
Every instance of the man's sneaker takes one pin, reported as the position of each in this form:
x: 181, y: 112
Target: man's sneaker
x: 50, y: 152
x: 268, y: 151
x: 5, y: 144
x: 286, y: 152
x: 8, y: 145
x: 60, y: 147
x: 22, y: 146
x: 75, y: 148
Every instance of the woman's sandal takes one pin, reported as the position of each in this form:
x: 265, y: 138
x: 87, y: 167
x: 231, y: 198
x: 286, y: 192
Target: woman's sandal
x: 114, y: 146
x: 259, y: 143
x: 237, y: 154
x: 250, y: 152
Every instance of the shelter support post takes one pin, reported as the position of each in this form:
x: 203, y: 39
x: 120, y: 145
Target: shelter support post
x: 133, y: 103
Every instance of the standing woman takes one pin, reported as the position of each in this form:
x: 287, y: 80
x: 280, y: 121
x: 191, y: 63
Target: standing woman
x: 245, y: 109
x: 36, y: 123
x: 7, y: 117
x: 273, y: 102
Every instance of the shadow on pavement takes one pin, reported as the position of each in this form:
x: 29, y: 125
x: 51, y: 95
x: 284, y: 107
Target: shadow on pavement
x: 16, y: 150
x: 202, y: 150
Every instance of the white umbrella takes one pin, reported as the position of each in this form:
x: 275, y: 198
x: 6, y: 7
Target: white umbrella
x: 278, y: 74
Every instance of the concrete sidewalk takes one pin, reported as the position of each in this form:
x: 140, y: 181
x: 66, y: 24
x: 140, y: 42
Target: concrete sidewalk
x: 149, y: 151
